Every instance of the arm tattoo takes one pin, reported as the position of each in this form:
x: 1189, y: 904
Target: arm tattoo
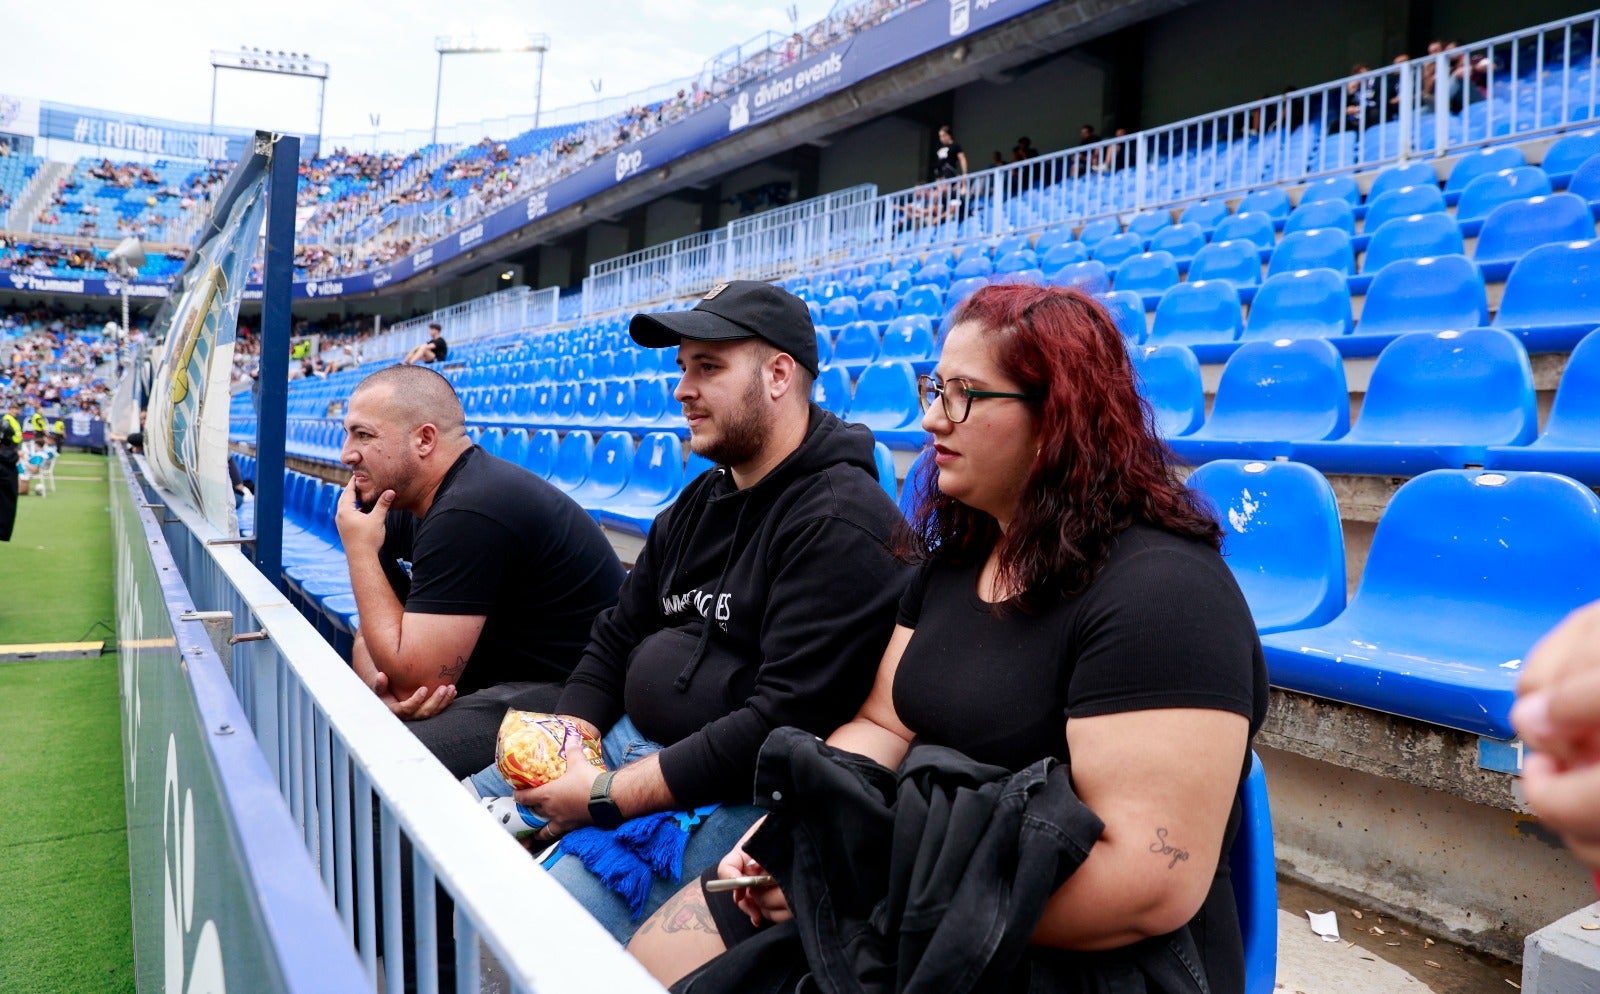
x: 454, y: 670
x: 686, y: 911
x: 1161, y: 846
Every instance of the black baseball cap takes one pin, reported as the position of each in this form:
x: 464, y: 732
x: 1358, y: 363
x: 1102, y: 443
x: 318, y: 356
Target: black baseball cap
x: 735, y: 310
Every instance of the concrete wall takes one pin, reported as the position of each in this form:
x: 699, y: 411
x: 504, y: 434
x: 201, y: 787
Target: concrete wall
x: 604, y: 241
x: 1047, y: 104
x: 756, y: 175
x: 669, y: 218
x: 888, y: 152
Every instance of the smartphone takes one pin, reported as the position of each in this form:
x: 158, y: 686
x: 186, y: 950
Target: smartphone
x: 734, y: 883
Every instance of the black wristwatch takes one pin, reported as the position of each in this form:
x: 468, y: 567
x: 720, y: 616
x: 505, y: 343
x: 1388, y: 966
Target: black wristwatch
x: 603, y: 811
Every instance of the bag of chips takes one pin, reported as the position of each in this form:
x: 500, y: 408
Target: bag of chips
x: 528, y: 752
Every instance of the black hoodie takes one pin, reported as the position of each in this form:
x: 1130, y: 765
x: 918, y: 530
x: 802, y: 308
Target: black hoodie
x: 796, y: 576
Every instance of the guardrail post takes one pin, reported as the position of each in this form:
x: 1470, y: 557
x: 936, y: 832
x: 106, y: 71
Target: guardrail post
x: 271, y: 418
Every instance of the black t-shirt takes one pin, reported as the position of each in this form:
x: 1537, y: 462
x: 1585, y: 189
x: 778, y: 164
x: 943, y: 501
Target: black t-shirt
x: 946, y: 161
x: 441, y: 348
x: 500, y: 542
x: 1163, y: 625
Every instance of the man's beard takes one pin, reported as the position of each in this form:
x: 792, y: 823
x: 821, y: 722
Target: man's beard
x: 744, y: 430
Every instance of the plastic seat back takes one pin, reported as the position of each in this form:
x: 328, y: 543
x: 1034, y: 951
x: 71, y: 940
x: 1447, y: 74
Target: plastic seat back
x: 657, y: 474
x: 1251, y: 226
x: 1151, y: 272
x: 880, y: 306
x: 1099, y: 230
x: 896, y: 281
x: 1418, y: 236
x: 972, y: 264
x: 1491, y: 190
x: 1342, y: 188
x: 886, y: 397
x: 1112, y: 252
x: 839, y: 312
x: 935, y: 274
x: 1016, y: 261
x: 617, y: 402
x: 857, y: 344
x: 883, y: 461
x: 1395, y: 177
x: 1198, y: 313
x: 909, y: 338
x: 1313, y: 248
x: 1306, y: 303
x: 566, y: 403
x: 1568, y: 152
x: 1059, y: 235
x: 1272, y: 201
x: 963, y: 288
x: 650, y: 400
x: 542, y: 449
x: 1090, y: 276
x: 572, y: 460
x: 609, y: 466
x: 1289, y: 389
x: 925, y: 299
x: 591, y: 399
x: 1429, y: 294
x: 1127, y: 310
x: 1207, y: 214
x: 1403, y: 202
x: 1555, y: 284
x: 1474, y: 164
x: 1061, y: 255
x: 1333, y: 213
x: 1147, y: 223
x: 514, y: 446
x: 1253, y: 867
x: 1182, y: 240
x: 1472, y: 387
x: 831, y: 391
x: 1281, y: 539
x: 1514, y: 229
x: 1168, y: 377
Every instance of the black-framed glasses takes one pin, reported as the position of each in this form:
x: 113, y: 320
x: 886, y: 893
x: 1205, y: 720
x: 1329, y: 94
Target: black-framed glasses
x: 958, y: 395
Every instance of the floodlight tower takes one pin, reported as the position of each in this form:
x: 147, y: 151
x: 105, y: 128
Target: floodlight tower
x: 249, y: 59
x: 471, y: 44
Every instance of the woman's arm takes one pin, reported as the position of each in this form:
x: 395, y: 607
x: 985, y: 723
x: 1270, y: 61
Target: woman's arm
x: 1163, y: 782
x: 876, y: 732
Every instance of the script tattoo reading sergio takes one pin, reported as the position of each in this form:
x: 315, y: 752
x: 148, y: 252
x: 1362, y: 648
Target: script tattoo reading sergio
x: 454, y: 670
x: 1162, y: 847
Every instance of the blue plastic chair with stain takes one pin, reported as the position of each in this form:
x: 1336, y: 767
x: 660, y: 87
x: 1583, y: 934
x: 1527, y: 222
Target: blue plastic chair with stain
x: 609, y: 466
x: 1270, y: 396
x: 831, y: 391
x: 653, y: 484
x: 1474, y: 164
x: 542, y: 449
x: 1467, y: 570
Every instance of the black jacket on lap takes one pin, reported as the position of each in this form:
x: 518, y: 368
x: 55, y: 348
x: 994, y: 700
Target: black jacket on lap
x: 930, y: 881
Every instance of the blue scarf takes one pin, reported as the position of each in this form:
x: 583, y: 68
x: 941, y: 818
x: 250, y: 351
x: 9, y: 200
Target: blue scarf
x: 629, y: 859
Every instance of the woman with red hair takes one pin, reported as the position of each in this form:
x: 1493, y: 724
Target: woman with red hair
x: 1072, y: 607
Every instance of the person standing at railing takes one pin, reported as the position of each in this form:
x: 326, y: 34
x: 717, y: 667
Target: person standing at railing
x: 949, y: 160
x: 761, y: 599
x: 476, y: 581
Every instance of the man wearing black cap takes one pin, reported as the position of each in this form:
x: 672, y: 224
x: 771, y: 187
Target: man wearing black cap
x: 763, y: 596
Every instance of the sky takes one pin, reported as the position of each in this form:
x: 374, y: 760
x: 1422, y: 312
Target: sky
x: 381, y: 57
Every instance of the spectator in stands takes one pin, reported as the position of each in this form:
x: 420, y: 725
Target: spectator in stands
x: 10, y: 451
x: 472, y: 576
x: 949, y: 161
x: 1082, y: 164
x: 1028, y: 637
x: 761, y: 598
x: 1557, y: 714
x: 435, y: 349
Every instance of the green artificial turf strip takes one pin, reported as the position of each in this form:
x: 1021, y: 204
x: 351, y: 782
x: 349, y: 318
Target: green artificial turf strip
x: 57, y: 570
x: 64, y: 896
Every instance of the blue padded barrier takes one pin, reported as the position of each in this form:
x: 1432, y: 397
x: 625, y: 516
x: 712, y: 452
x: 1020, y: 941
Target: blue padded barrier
x: 1570, y: 443
x: 1281, y: 538
x: 1552, y: 297
x: 1306, y: 303
x: 1271, y: 395
x: 1467, y: 570
x: 1168, y: 377
x: 1435, y: 400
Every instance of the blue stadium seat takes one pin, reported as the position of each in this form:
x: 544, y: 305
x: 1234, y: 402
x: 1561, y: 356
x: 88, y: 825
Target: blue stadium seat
x: 839, y: 312
x: 617, y: 403
x: 934, y: 275
x: 1272, y: 201
x: 1419, y: 236
x: 886, y: 401
x: 1050, y: 238
x: 572, y: 461
x: 1497, y: 559
x: 1334, y: 213
x: 1404, y: 202
x: 896, y: 281
x: 861, y: 286
x: 963, y: 288
x: 1016, y: 261
x: 1567, y: 153
x: 1430, y: 294
x: 1281, y: 539
x: 1514, y: 229
x: 514, y: 446
x: 857, y: 344
x: 566, y: 403
x: 1182, y: 240
x: 1234, y: 260
x: 827, y: 291
x: 909, y: 338
x: 1252, y: 226
x: 1149, y: 275
x: 1332, y: 188
x: 883, y: 459
x: 1271, y: 395
x: 972, y: 264
x: 653, y: 483
x: 824, y: 346
x: 1099, y: 230
x: 1306, y: 303
x: 1313, y: 248
x: 832, y: 390
x: 1253, y: 869
x: 1552, y: 297
x: 1062, y: 255
x: 591, y: 398
x: 1435, y: 401
x: 1009, y: 244
x: 927, y: 299
x: 1491, y: 190
x: 880, y: 306
x: 1395, y: 177
x: 542, y: 448
x: 1205, y: 316
x: 911, y: 492
x: 1090, y: 276
x: 1127, y: 310
x: 1147, y: 223
x: 651, y: 401
x: 1570, y: 442
x: 1117, y: 249
x: 609, y: 466
x: 1168, y: 377
x: 940, y: 257
x: 1207, y: 214
x: 1474, y: 164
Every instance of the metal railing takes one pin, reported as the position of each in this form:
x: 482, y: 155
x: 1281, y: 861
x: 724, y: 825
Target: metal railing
x: 473, y: 320
x: 361, y: 788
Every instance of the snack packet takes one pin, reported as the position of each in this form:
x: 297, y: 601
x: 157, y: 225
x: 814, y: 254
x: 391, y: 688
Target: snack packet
x: 528, y: 752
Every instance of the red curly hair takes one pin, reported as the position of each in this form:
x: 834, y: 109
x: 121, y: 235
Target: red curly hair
x: 1102, y: 465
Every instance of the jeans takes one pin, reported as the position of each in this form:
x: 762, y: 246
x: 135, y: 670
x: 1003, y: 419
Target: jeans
x: 711, y: 840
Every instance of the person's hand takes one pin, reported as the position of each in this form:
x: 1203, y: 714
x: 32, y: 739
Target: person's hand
x: 564, y: 801
x: 765, y: 903
x: 1557, y: 714
x: 361, y: 530
x: 422, y: 703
